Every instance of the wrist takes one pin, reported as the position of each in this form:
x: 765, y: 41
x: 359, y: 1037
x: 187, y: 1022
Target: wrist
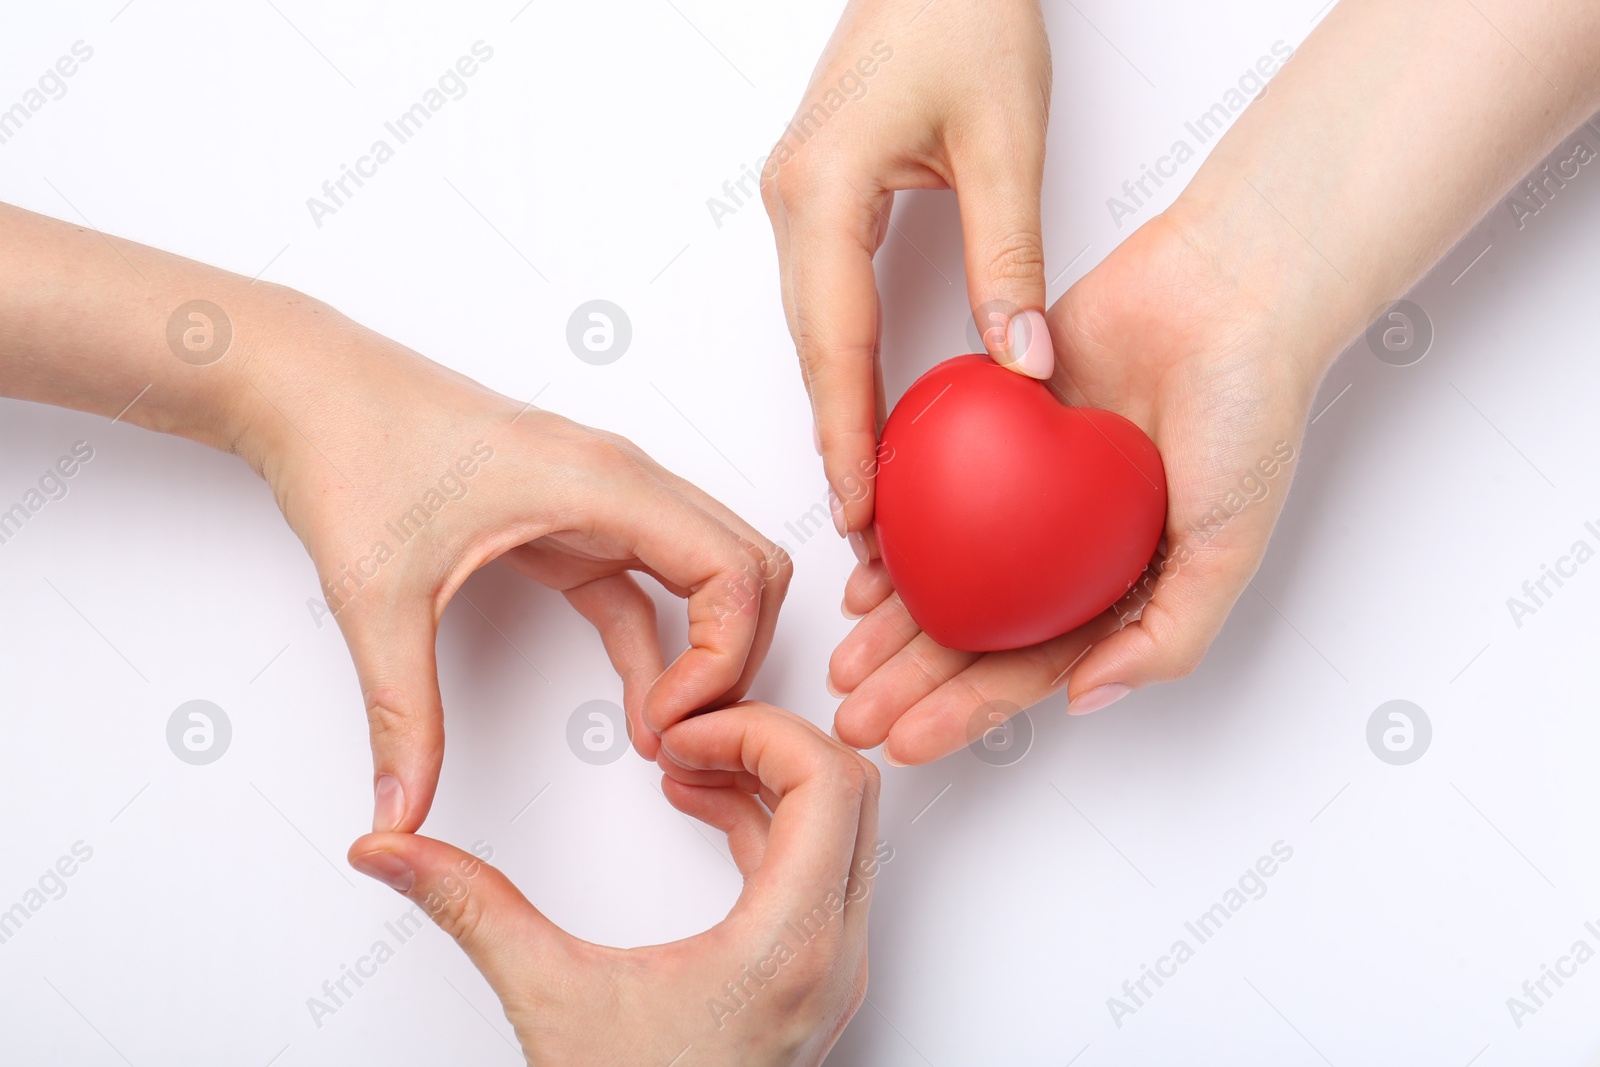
x: 218, y: 344
x: 1271, y: 265
x: 263, y: 397
x: 298, y: 369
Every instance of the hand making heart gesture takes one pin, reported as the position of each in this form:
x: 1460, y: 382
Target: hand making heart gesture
x: 772, y: 985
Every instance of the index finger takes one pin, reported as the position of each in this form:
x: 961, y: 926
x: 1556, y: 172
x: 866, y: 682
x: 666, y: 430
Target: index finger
x: 827, y: 797
x: 725, y: 577
x: 831, y: 231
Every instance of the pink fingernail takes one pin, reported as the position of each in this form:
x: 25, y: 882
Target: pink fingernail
x: 1101, y: 696
x: 835, y: 506
x: 847, y: 613
x: 1028, y: 344
x: 827, y: 683
x: 389, y: 803
x: 890, y: 760
x: 858, y: 545
x: 387, y: 868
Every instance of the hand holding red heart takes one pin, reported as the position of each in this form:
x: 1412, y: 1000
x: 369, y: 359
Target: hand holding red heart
x: 1201, y: 370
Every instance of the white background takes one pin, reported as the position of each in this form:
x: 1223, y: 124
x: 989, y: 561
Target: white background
x: 216, y: 902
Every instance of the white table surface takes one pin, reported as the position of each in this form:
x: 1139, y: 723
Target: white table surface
x: 577, y: 166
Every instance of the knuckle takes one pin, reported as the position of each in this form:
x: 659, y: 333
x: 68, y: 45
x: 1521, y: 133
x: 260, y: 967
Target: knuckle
x: 780, y: 565
x: 385, y: 714
x: 1017, y: 257
x: 872, y: 782
x: 1178, y: 652
x: 858, y: 991
x: 1185, y: 663
x: 750, y: 567
x: 1058, y: 657
x: 833, y: 347
x: 920, y: 660
x: 851, y: 774
x: 754, y: 562
x: 770, y: 197
x: 815, y: 188
x: 461, y: 917
x: 1179, y: 659
x: 613, y: 445
x: 788, y: 183
x: 969, y: 693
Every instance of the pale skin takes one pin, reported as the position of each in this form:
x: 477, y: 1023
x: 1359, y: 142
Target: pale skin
x: 772, y: 985
x: 961, y: 101
x: 1396, y: 125
x: 1273, y: 259
x: 350, y: 431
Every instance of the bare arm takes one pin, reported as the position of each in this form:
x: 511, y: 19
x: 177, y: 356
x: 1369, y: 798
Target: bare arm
x: 1395, y: 126
x: 400, y: 477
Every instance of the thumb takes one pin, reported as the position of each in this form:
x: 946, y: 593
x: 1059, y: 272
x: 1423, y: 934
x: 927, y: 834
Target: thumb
x: 1168, y: 621
x: 393, y: 649
x: 505, y: 936
x: 1000, y: 229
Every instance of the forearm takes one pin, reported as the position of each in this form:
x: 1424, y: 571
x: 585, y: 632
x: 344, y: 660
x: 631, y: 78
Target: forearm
x: 93, y: 322
x: 1389, y: 133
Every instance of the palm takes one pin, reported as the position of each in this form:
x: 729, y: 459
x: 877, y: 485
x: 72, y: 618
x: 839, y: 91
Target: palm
x: 658, y: 1000
x: 1154, y: 334
x: 1149, y: 335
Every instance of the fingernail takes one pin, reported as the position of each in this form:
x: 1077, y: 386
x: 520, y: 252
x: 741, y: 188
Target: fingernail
x: 837, y: 508
x: 828, y: 683
x: 387, y: 868
x: 1028, y: 345
x: 890, y: 760
x: 1101, y: 696
x: 816, y: 438
x: 389, y: 803
x: 858, y: 545
x: 847, y: 613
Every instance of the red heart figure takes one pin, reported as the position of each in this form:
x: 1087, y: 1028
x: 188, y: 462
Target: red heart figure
x: 1006, y: 518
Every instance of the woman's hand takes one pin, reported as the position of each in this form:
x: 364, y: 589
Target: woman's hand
x: 402, y: 478
x: 1207, y: 372
x: 772, y: 984
x: 1211, y: 326
x: 909, y: 95
x: 399, y: 476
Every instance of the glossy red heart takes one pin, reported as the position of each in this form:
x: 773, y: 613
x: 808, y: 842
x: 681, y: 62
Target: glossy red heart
x: 1006, y: 518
